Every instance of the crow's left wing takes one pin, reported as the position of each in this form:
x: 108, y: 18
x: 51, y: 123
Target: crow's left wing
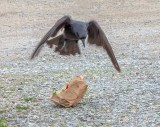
x: 97, y: 36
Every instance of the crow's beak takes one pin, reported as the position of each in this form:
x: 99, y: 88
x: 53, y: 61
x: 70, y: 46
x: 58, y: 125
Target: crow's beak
x: 83, y: 41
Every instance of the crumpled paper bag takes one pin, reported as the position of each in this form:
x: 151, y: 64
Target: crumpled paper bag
x: 70, y: 94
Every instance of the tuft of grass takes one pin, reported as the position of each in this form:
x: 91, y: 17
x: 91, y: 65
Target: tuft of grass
x: 3, y: 122
x: 12, y: 89
x: 158, y: 113
x: 91, y: 71
x: 3, y: 110
x: 20, y: 107
x: 1, y: 87
x: 109, y: 123
x: 28, y: 99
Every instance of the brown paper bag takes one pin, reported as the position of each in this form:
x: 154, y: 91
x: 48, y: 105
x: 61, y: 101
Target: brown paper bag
x: 71, y: 94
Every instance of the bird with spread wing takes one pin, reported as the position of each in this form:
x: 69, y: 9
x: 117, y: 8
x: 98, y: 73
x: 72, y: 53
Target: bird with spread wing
x: 67, y: 42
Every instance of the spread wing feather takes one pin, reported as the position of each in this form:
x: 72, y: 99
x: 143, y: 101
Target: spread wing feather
x: 51, y: 33
x: 98, y: 37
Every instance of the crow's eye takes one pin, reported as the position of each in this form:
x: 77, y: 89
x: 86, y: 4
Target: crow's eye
x: 68, y: 26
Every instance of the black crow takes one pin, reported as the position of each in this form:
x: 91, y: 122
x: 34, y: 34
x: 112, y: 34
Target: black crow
x: 67, y: 42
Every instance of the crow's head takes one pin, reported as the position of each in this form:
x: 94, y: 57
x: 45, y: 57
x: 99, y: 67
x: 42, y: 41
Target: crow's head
x: 77, y: 29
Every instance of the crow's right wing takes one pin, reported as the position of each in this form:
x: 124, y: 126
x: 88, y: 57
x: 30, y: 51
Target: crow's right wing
x: 51, y: 33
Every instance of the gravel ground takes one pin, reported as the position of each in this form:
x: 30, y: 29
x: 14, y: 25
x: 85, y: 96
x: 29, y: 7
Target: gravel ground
x: 127, y: 99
